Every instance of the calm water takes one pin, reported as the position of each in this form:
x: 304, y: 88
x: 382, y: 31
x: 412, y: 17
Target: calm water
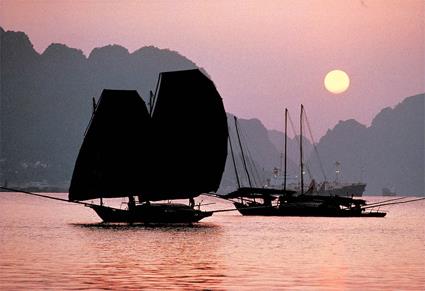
x: 46, y: 244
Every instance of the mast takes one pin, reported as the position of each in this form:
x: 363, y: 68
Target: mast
x: 286, y: 140
x: 234, y: 162
x: 152, y: 99
x: 281, y: 161
x: 94, y: 105
x: 243, y: 156
x: 151, y: 96
x: 301, y: 150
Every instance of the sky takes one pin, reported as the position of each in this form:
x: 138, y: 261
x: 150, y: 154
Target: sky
x: 262, y: 55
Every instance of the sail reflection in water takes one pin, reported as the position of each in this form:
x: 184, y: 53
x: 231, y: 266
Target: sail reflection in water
x: 157, y: 261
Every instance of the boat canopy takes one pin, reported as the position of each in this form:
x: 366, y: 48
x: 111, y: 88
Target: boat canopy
x: 251, y: 192
x: 176, y: 151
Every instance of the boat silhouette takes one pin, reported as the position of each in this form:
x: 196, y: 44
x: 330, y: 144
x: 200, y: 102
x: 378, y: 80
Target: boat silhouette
x: 127, y: 150
x: 285, y: 202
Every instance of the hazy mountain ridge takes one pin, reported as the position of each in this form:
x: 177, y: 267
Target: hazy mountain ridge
x: 45, y: 106
x: 260, y: 154
x: 293, y: 146
x: 389, y: 153
x: 46, y: 100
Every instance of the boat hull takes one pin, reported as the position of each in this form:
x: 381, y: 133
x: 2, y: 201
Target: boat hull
x: 303, y: 210
x: 153, y: 213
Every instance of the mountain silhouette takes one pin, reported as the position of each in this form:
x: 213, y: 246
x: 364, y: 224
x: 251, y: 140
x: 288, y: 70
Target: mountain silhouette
x: 388, y: 154
x: 46, y: 104
x: 293, y: 147
x: 46, y: 100
x: 260, y: 154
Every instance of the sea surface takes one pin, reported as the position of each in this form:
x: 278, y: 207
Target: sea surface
x: 53, y: 245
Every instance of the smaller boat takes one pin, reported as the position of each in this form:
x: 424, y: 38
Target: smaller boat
x: 283, y: 202
x: 325, y: 188
x: 388, y: 192
x: 302, y: 205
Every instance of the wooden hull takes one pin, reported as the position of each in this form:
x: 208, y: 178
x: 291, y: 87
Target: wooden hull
x: 153, y: 213
x: 374, y: 214
x: 302, y: 210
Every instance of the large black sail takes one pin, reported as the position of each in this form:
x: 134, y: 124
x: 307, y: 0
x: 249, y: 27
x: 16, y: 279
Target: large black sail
x: 190, y: 134
x: 178, y: 152
x: 113, y: 159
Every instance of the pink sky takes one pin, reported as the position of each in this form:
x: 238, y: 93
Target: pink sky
x: 262, y: 55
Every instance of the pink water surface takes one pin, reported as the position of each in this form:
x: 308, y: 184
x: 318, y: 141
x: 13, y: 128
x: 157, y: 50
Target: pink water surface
x: 53, y: 245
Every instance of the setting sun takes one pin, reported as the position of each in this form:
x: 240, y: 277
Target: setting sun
x: 337, y: 81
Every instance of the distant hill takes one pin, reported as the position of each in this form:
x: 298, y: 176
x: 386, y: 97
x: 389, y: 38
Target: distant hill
x: 263, y: 149
x: 46, y: 103
x: 260, y: 154
x: 46, y: 100
x: 389, y: 153
x: 293, y: 147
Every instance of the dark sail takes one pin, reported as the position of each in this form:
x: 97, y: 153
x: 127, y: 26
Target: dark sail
x: 178, y: 152
x: 190, y: 132
x: 111, y: 161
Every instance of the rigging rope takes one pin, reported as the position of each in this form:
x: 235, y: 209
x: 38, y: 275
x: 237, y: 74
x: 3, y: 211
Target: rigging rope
x: 314, y: 147
x: 242, y: 153
x: 251, y: 163
x: 392, y: 203
x: 393, y: 199
x: 297, y: 139
x: 234, y: 160
x: 44, y: 196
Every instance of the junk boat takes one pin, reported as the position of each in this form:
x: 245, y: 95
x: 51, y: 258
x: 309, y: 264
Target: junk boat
x: 283, y: 202
x: 126, y: 146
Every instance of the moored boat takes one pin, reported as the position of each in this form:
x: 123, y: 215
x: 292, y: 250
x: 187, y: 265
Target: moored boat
x: 151, y: 213
x: 126, y: 146
x: 324, y: 206
x: 283, y: 202
x: 325, y: 188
